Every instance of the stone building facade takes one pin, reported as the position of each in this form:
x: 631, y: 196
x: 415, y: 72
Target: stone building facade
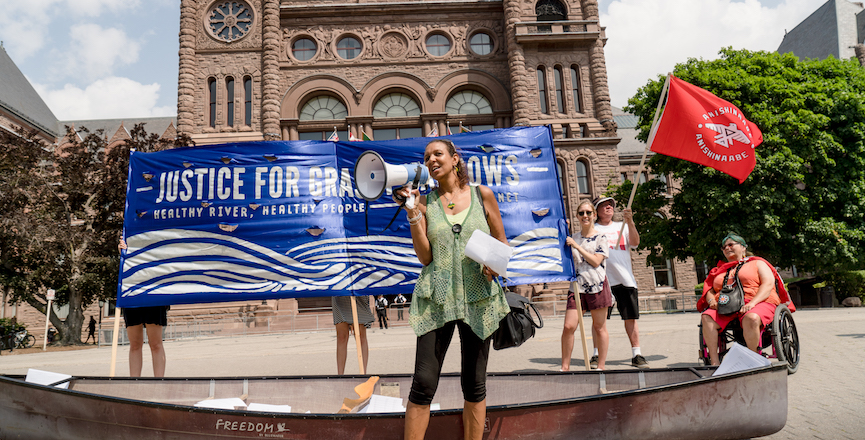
x: 293, y: 69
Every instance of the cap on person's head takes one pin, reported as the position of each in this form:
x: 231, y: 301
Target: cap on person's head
x: 600, y: 200
x: 735, y: 237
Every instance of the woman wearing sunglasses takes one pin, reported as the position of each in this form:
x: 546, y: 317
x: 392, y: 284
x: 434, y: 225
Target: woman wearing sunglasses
x: 758, y: 280
x: 590, y: 250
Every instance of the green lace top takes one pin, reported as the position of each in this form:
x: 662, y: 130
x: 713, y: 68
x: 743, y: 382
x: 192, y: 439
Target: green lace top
x: 453, y: 286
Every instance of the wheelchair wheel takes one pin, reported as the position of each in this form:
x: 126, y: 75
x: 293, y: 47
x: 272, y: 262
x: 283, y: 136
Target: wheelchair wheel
x: 785, y: 338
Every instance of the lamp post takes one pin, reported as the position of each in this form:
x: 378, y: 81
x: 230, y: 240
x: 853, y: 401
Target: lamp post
x: 101, y: 312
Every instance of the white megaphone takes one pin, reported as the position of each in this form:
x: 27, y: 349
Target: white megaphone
x: 373, y: 176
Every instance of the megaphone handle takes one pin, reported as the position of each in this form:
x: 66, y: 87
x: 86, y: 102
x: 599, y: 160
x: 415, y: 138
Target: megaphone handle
x: 410, y: 201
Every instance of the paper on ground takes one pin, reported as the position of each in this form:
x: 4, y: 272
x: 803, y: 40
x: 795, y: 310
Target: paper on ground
x: 264, y: 407
x: 229, y: 403
x: 46, y: 378
x: 383, y: 404
x: 488, y: 251
x: 739, y: 358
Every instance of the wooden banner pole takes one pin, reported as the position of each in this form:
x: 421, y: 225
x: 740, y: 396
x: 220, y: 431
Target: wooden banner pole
x: 114, y: 339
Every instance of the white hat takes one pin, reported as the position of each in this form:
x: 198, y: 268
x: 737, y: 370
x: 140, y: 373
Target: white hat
x: 600, y: 200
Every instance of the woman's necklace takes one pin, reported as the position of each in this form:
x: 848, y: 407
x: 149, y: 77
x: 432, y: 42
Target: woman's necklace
x: 451, y: 204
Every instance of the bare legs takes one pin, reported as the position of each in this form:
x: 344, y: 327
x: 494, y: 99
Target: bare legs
x: 600, y: 335
x: 633, y: 332
x: 474, y: 416
x: 417, y: 420
x: 572, y: 320
x: 751, y: 325
x: 136, y: 349
x: 342, y: 337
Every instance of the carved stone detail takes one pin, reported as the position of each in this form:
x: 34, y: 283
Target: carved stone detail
x: 393, y: 45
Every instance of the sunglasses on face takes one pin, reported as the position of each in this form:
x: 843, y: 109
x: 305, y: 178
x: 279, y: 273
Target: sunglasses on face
x: 586, y: 213
x: 728, y: 245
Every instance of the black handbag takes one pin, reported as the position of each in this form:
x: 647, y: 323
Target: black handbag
x: 732, y: 297
x: 518, y: 325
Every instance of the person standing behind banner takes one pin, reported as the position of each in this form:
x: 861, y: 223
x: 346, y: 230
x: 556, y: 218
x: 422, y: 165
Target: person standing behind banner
x: 590, y: 250
x: 452, y: 292
x: 400, y: 305
x: 344, y: 322
x: 620, y: 273
x: 137, y: 319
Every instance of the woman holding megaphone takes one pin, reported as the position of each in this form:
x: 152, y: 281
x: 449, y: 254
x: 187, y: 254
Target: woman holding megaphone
x: 452, y: 291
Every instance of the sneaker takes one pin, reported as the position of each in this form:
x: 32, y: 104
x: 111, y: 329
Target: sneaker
x: 593, y: 362
x: 639, y: 361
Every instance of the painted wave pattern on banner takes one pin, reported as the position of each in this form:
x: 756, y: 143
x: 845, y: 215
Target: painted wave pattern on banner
x: 181, y: 261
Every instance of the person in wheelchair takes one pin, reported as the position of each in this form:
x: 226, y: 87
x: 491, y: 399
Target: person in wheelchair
x: 757, y: 278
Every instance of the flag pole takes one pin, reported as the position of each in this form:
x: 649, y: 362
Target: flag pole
x: 652, y: 132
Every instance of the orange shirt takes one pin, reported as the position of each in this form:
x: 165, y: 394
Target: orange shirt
x: 750, y: 279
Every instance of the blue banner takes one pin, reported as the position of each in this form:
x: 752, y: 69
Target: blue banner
x: 262, y: 220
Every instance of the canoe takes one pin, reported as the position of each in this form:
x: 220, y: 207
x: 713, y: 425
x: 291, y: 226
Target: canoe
x: 670, y: 403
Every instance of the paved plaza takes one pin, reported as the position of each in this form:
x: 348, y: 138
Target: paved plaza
x: 826, y: 395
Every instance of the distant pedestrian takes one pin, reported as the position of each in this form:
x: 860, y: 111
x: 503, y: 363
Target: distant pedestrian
x: 400, y: 305
x: 381, y: 311
x: 91, y: 330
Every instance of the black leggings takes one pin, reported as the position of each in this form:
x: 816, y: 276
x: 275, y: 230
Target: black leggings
x: 430, y: 355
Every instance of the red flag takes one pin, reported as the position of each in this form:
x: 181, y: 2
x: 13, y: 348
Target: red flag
x: 700, y: 127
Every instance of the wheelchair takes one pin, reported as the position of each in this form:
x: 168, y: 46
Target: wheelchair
x: 781, y: 336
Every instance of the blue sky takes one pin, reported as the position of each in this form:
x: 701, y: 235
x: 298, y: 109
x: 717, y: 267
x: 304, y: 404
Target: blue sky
x: 94, y: 59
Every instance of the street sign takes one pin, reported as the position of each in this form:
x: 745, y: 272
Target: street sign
x: 50, y: 294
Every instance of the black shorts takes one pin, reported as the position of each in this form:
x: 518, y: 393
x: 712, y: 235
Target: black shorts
x: 157, y: 315
x: 626, y: 302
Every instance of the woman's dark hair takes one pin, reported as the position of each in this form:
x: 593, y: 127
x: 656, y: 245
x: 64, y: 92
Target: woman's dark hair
x: 462, y: 169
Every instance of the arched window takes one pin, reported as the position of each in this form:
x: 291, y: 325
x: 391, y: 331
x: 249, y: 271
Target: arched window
x: 550, y: 10
x: 211, y: 91
x: 323, y: 108
x: 468, y: 102
x: 348, y: 48
x: 394, y: 105
x: 542, y: 91
x: 229, y: 101
x: 303, y: 49
x: 575, y: 88
x: 247, y: 100
x: 582, y: 177
x: 560, y: 94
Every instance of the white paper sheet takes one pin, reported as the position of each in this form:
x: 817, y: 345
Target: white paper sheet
x: 46, y: 378
x: 488, y: 251
x: 739, y: 358
x: 229, y: 403
x: 383, y: 404
x: 269, y: 408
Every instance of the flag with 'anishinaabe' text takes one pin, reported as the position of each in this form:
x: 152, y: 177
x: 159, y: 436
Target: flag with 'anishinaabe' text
x: 700, y: 127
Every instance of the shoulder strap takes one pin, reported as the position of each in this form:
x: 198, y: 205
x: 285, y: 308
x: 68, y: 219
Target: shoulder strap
x: 736, y: 275
x: 481, y: 200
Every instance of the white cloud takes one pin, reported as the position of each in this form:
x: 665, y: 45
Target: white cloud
x: 647, y: 38
x: 95, y: 8
x: 108, y: 98
x: 22, y: 28
x: 95, y: 52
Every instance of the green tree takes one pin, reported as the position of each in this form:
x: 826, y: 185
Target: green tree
x: 69, y: 202
x: 804, y: 203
